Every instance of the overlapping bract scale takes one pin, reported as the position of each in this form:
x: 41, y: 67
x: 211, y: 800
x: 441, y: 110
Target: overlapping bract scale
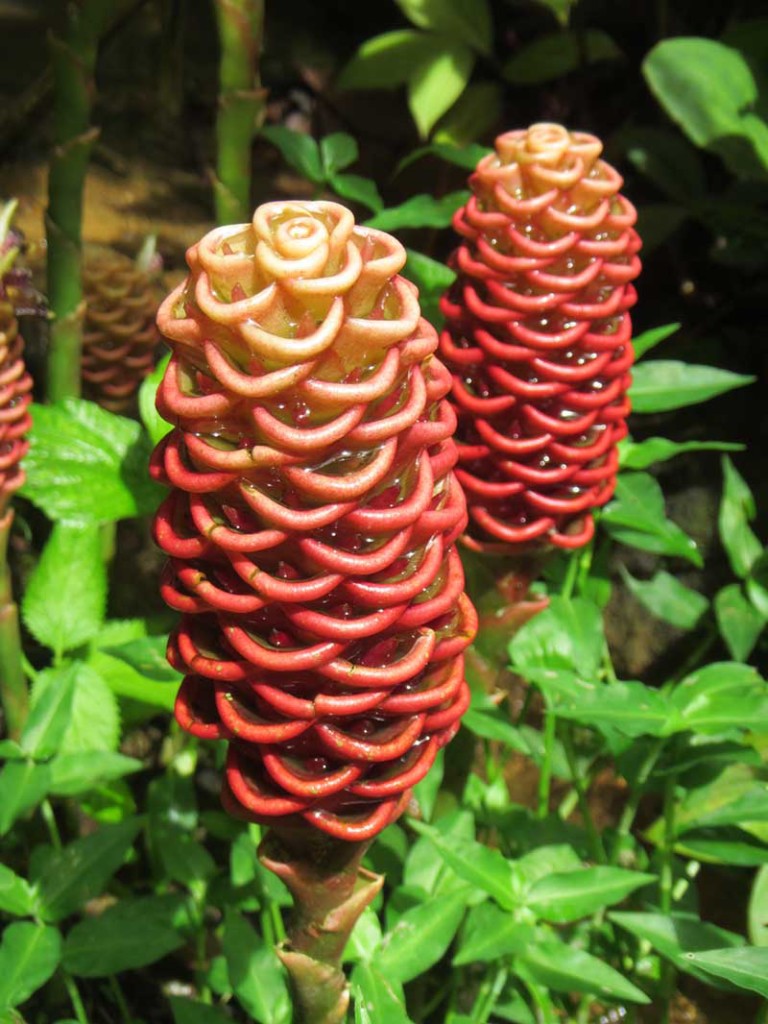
x: 538, y: 337
x: 312, y: 519
x: 15, y: 398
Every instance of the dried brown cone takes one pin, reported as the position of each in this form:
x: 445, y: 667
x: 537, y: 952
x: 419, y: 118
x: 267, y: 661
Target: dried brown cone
x: 120, y: 337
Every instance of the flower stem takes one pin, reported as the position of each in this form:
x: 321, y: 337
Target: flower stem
x: 13, y: 685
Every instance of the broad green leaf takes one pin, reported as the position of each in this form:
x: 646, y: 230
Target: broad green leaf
x: 758, y: 909
x: 72, y: 774
x: 337, y: 151
x: 66, y: 596
x: 462, y: 156
x: 757, y: 583
x: 546, y: 859
x: 640, y: 455
x: 723, y: 846
x: 424, y: 871
x: 187, y: 1011
x: 29, y: 954
x: 480, y: 865
x: 378, y: 998
x: 299, y: 150
x: 386, y: 61
x: 365, y: 938
x: 17, y: 897
x: 674, y: 935
x: 183, y: 857
x: 657, y: 222
x: 472, y: 116
x: 131, y: 933
x: 490, y: 933
x: 718, y: 697
x: 422, y: 211
x: 569, y: 896
x: 82, y: 868
x: 552, y: 56
x: 667, y: 598
x: 709, y: 90
x: 49, y: 716
x: 94, y: 722
x: 462, y: 20
x: 255, y: 973
x: 492, y: 724
x: 432, y: 278
x: 567, y: 634
x: 88, y: 465
x: 147, y: 656
x: 22, y: 786
x: 737, y: 510
x: 358, y: 189
x: 637, y: 517
x: 421, y: 936
x: 435, y: 84
x: 664, y: 384
x: 650, y: 339
x: 425, y: 792
x: 672, y: 164
x: 746, y: 967
x: 751, y: 807
x: 631, y: 708
x: 739, y: 622
x: 567, y: 969
x: 153, y: 422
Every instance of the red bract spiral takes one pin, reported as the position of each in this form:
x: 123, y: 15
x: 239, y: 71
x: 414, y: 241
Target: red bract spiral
x: 15, y: 398
x: 538, y: 337
x: 312, y: 519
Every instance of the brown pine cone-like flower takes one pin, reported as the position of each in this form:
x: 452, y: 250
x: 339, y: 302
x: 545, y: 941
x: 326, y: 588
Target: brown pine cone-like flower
x: 119, y: 337
x: 15, y: 398
x: 312, y: 519
x: 538, y: 337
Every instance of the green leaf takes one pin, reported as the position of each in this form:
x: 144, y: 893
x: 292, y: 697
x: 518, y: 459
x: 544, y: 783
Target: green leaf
x: 88, y: 465
x: 757, y: 583
x: 72, y: 774
x: 665, y: 384
x: 82, y: 868
x: 386, y: 61
x: 184, y: 859
x: 630, y: 708
x: 650, y: 339
x: 720, y: 696
x: 567, y: 634
x: 426, y: 791
x: 746, y: 967
x: 668, y: 160
x: 419, y: 212
x: 378, y: 999
x: 65, y: 599
x: 187, y: 1011
x: 147, y: 656
x: 636, y: 517
x: 17, y: 896
x: 130, y: 934
x: 432, y: 278
x: 490, y: 933
x: 552, y: 56
x: 435, y: 84
x: 462, y: 156
x: 492, y: 724
x: 480, y: 865
x: 708, y: 89
x: 640, y: 455
x: 154, y: 423
x: 337, y: 151
x: 94, y: 722
x: 667, y: 598
x: 462, y: 20
x: 723, y: 846
x: 737, y: 510
x: 740, y: 623
x: 758, y: 908
x: 255, y: 973
x: 358, y: 189
x: 299, y: 150
x: 29, y: 954
x: 23, y: 785
x: 564, y: 897
x: 674, y: 935
x: 567, y: 969
x: 365, y: 938
x: 421, y: 936
x: 49, y: 716
x: 472, y: 116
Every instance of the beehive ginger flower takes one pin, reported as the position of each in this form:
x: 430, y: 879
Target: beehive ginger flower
x: 311, y: 522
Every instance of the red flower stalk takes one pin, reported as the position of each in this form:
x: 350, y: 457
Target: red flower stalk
x: 538, y: 337
x: 311, y: 523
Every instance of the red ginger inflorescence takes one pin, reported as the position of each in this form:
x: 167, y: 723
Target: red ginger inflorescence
x: 538, y: 337
x: 15, y: 399
x: 312, y: 520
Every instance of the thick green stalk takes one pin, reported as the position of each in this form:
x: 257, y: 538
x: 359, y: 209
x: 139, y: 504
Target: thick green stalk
x: 13, y: 685
x: 330, y: 890
x: 73, y: 57
x: 241, y: 105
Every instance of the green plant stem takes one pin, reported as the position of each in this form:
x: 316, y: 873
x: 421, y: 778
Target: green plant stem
x: 488, y: 994
x: 628, y: 815
x: 74, y: 996
x: 73, y: 58
x: 666, y: 883
x: 122, y: 1005
x: 241, y: 105
x: 13, y: 685
x: 545, y: 778
x: 50, y: 823
x: 595, y: 842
